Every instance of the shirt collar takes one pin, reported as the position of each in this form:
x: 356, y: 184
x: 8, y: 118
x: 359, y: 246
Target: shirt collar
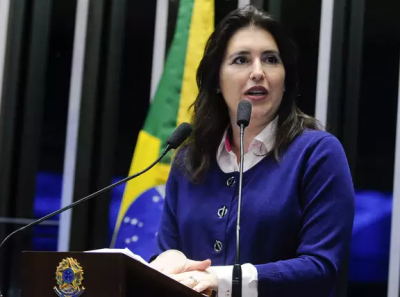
x: 266, y: 137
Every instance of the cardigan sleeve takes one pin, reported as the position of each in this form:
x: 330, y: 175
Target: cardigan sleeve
x: 327, y: 202
x: 168, y: 233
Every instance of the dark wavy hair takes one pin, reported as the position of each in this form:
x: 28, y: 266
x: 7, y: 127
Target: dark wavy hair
x: 210, y: 114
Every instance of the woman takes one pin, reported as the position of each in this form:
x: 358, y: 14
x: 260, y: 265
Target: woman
x: 298, y: 199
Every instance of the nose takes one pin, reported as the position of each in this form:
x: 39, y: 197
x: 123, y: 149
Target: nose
x: 257, y: 72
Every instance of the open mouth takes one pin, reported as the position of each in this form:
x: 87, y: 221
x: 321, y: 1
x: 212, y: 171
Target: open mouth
x: 257, y: 92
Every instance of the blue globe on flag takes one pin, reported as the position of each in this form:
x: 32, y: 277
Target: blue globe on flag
x: 139, y: 226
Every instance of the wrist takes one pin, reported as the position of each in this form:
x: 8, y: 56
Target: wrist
x: 170, y: 252
x: 215, y: 279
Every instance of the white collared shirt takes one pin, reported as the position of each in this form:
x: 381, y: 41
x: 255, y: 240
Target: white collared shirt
x: 262, y: 144
x: 227, y: 161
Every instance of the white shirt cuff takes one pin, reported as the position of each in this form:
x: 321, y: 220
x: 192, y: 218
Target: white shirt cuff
x: 249, y: 280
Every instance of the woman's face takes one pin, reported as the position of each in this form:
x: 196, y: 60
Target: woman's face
x: 253, y: 70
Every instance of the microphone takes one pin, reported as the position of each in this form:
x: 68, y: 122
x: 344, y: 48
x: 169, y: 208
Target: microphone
x: 243, y: 120
x: 174, y: 141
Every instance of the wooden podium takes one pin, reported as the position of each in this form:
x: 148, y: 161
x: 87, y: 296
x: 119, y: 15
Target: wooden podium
x: 94, y: 274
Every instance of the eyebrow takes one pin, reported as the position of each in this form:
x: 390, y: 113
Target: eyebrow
x: 239, y: 53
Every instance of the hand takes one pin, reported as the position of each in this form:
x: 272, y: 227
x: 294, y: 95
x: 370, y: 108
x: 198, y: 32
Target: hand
x: 198, y: 280
x: 174, y: 262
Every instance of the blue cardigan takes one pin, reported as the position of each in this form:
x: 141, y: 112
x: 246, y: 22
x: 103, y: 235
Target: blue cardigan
x: 297, y: 217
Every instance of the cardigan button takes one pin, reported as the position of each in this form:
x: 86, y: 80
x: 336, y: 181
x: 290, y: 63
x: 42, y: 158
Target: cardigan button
x: 222, y: 211
x: 218, y: 246
x: 230, y: 182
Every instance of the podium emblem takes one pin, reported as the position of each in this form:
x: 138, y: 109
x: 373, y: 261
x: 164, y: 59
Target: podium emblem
x: 69, y: 277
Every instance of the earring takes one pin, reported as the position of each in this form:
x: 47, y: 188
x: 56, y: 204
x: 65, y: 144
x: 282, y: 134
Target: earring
x: 218, y: 90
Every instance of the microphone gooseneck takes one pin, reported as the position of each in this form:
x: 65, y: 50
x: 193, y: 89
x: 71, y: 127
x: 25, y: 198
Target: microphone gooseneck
x: 243, y: 120
x: 174, y: 141
x: 84, y: 199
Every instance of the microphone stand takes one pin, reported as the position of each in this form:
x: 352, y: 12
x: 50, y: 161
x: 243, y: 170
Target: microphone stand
x: 174, y: 141
x: 167, y: 149
x: 237, y: 268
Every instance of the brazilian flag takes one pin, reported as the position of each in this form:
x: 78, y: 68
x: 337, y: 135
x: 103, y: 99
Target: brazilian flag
x: 142, y: 202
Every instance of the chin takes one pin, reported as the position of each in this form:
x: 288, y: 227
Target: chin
x: 262, y: 115
x: 258, y: 113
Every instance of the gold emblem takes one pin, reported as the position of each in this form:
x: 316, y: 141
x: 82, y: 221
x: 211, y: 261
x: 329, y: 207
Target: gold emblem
x: 69, y: 276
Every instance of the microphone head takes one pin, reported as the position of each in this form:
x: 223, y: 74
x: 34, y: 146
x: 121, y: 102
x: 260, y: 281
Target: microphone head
x: 179, y: 135
x: 244, y: 113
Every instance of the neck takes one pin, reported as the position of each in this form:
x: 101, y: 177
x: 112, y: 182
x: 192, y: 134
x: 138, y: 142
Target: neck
x: 251, y: 132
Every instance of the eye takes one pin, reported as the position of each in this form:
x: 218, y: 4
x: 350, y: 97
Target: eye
x: 240, y: 60
x: 272, y: 60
